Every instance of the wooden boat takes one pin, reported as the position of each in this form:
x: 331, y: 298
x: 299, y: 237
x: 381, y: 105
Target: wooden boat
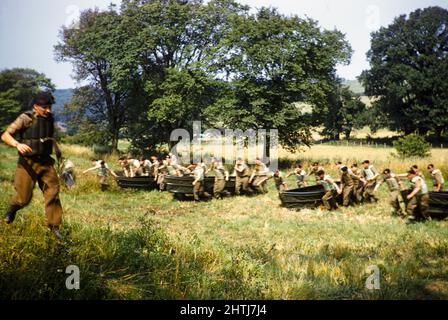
x: 144, y: 182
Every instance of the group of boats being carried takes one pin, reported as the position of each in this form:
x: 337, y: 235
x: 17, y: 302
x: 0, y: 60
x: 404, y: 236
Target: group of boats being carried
x: 300, y: 198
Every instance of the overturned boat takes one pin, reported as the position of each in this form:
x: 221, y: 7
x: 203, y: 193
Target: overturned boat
x: 184, y: 185
x: 143, y: 182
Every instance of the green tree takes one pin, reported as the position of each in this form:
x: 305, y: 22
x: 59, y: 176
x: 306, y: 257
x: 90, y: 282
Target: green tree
x: 175, y: 47
x: 85, y: 117
x: 342, y: 112
x: 409, y: 64
x: 272, y: 62
x: 412, y: 145
x: 101, y: 54
x: 17, y: 88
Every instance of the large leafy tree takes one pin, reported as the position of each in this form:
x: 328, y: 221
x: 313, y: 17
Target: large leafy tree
x: 176, y: 43
x: 160, y: 64
x: 102, y: 55
x: 342, y: 112
x: 17, y: 87
x: 272, y: 62
x: 409, y: 64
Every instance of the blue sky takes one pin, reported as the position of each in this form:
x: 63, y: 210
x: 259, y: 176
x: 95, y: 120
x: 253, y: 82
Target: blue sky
x: 29, y: 28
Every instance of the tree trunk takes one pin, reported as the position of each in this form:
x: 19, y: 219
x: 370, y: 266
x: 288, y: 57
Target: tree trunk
x: 115, y: 143
x: 439, y: 132
x: 347, y: 134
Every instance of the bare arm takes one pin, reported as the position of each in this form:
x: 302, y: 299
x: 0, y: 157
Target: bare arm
x: 90, y: 169
x: 57, y: 150
x: 378, y: 185
x: 112, y: 173
x: 10, y: 141
x: 418, y: 187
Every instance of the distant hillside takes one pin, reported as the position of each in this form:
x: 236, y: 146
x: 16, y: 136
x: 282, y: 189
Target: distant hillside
x: 355, y: 86
x: 62, y: 96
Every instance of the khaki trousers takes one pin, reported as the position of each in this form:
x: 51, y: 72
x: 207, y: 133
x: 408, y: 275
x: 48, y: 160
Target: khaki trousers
x: 198, y: 190
x: 327, y: 198
x: 40, y: 170
x: 369, y: 194
x: 218, y: 188
x: 346, y: 194
x: 418, y: 207
x: 394, y: 201
x: 261, y: 184
x: 242, y: 184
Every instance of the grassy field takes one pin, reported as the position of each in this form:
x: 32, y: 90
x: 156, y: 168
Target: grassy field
x: 145, y: 245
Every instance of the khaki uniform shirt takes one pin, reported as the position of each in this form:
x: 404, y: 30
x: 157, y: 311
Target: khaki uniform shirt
x: 261, y: 170
x: 19, y: 125
x: 198, y: 173
x: 244, y: 173
x: 437, y: 177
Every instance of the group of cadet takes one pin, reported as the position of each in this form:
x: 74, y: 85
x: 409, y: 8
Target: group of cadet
x: 359, y: 185
x: 32, y: 134
x: 247, y: 180
x: 356, y: 184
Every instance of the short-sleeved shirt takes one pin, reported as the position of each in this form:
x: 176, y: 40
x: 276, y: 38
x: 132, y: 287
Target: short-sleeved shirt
x: 300, y: 175
x: 220, y: 173
x: 68, y: 165
x: 171, y: 170
x: 244, y: 172
x: 327, y: 183
x: 346, y: 178
x: 437, y: 177
x: 279, y: 179
x: 198, y: 173
x: 424, y: 187
x: 134, y: 163
x: 22, y: 123
x: 261, y: 169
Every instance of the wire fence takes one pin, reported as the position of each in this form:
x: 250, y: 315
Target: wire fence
x: 371, y: 144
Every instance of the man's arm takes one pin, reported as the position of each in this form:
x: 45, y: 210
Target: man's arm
x: 418, y: 186
x: 438, y: 185
x: 10, y: 141
x: 112, y: 173
x: 290, y: 174
x: 90, y: 169
x: 57, y: 150
x: 378, y: 185
x: 252, y: 176
x: 338, y: 190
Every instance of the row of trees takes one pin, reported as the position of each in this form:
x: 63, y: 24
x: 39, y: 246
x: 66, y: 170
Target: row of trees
x: 154, y: 66
x: 157, y: 65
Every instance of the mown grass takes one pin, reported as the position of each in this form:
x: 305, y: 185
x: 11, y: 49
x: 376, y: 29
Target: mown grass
x: 145, y: 245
